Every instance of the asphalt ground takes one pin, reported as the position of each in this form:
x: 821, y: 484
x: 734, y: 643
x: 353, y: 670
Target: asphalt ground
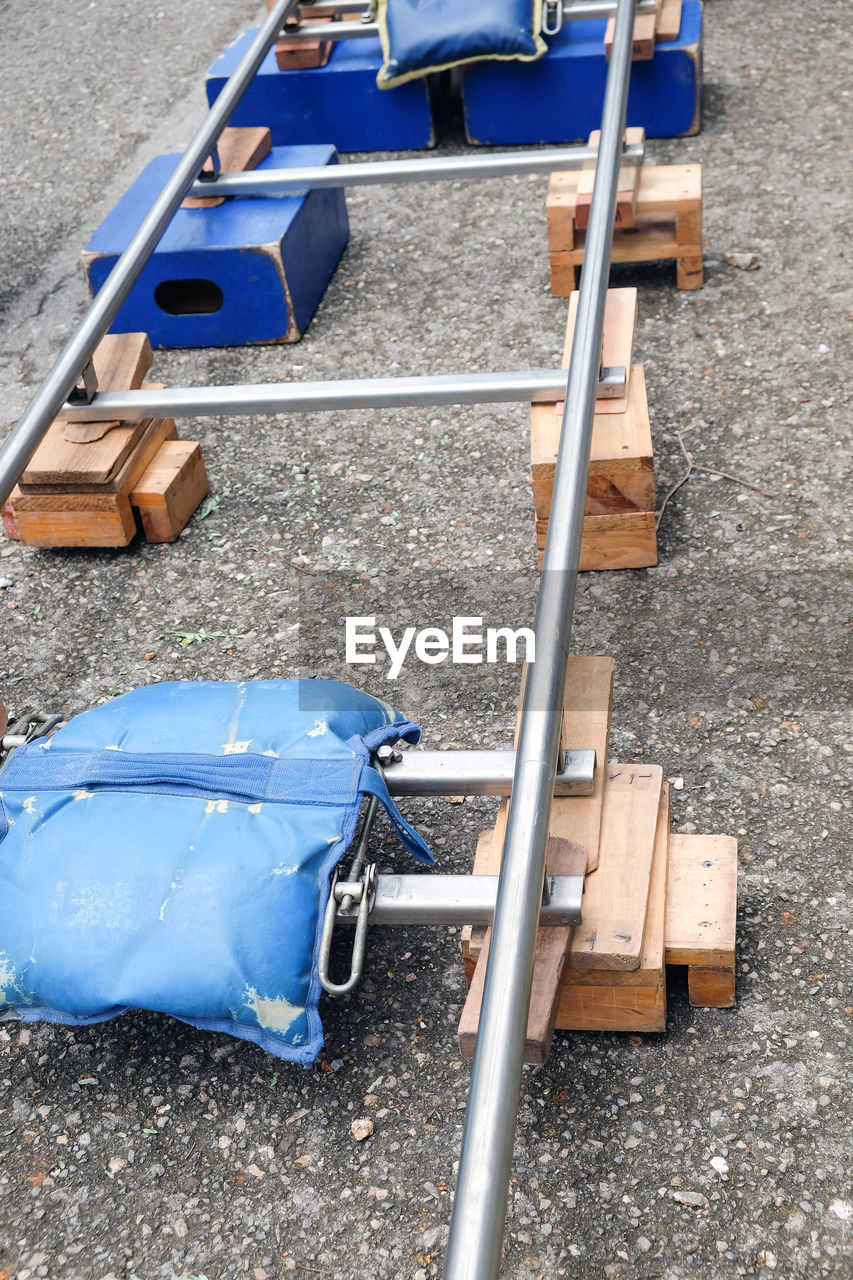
x: 142, y: 1147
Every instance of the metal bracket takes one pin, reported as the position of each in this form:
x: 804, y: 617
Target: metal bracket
x: 361, y: 894
x: 84, y: 392
x: 612, y: 382
x: 211, y: 174
x: 33, y: 724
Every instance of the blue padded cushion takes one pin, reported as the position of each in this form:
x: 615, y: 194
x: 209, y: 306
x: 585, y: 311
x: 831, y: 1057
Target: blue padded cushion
x: 172, y: 850
x: 421, y: 36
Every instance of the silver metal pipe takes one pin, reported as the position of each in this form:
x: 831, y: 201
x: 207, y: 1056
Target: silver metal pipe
x: 280, y: 182
x: 479, y: 773
x: 312, y: 397
x: 479, y: 1210
x: 333, y: 31
x: 460, y: 900
x: 57, y: 386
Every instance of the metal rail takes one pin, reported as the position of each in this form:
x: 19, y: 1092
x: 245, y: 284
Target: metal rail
x: 459, y: 900
x: 479, y: 1209
x: 281, y: 182
x: 313, y: 397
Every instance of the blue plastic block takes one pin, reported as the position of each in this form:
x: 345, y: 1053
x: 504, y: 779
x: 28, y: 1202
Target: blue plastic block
x: 339, y: 103
x: 559, y: 98
x: 248, y: 270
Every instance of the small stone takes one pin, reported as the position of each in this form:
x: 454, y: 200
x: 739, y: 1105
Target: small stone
x: 361, y: 1129
x: 255, y: 1171
x: 721, y: 1165
x: 5, y: 582
x: 743, y: 261
x: 767, y: 1259
x: 693, y: 1199
x: 378, y: 1193
x: 116, y: 1164
x: 643, y: 1244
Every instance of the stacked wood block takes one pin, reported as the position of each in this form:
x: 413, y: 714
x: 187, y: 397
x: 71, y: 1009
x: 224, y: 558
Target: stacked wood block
x: 86, y: 480
x: 298, y: 55
x: 665, y: 221
x: 619, y: 521
x: 649, y: 29
x: 651, y: 898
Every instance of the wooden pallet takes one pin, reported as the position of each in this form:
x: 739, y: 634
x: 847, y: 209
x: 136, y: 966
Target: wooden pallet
x: 667, y: 224
x: 86, y: 480
x: 651, y: 898
x: 619, y: 523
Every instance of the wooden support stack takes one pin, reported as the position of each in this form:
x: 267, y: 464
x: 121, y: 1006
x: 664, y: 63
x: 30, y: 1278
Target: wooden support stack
x: 665, y: 212
x: 299, y: 55
x: 651, y: 898
x: 619, y: 523
x: 84, y: 480
x: 649, y: 29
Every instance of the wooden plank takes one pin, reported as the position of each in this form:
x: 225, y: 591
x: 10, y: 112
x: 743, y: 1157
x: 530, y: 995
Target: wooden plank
x: 7, y: 514
x: 587, y: 702
x: 170, y: 489
x: 626, y: 192
x: 552, y: 945
x: 664, y: 190
x: 121, y: 362
x: 103, y: 520
x: 701, y: 901
x: 626, y: 1000
x: 617, y: 339
x: 616, y: 897
x: 300, y: 55
x: 621, y: 464
x: 644, y: 37
x: 668, y: 25
x: 100, y: 466
x: 625, y: 540
x: 239, y: 149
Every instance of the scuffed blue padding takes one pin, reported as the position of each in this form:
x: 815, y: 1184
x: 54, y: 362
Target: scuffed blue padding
x: 172, y: 850
x: 422, y: 36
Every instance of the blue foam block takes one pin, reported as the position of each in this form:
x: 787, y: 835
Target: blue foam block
x: 559, y: 98
x: 339, y: 103
x: 265, y: 261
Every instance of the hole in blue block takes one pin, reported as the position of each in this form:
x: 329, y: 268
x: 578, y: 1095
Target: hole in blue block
x: 188, y: 297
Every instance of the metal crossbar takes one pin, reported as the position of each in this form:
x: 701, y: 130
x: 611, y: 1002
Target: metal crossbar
x: 363, y: 27
x: 481, y: 1193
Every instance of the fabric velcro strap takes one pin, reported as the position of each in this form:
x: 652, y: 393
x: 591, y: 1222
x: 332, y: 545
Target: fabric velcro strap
x: 245, y: 778
x: 373, y: 784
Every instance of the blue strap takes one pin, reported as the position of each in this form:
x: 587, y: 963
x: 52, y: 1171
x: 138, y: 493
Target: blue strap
x: 391, y: 733
x: 247, y: 778
x: 373, y: 784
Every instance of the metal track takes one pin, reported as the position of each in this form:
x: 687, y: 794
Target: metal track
x: 480, y: 1202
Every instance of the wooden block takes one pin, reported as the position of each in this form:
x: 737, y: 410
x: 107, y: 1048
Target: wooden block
x: 621, y: 464
x: 94, y: 467
x: 701, y: 909
x: 616, y: 896
x: 665, y: 194
x: 711, y: 988
x: 626, y: 193
x: 668, y: 25
x: 4, y: 719
x: 239, y: 149
x: 170, y: 489
x: 99, y: 518
x: 552, y: 946
x: 621, y: 541
x: 626, y: 1000
x: 297, y: 55
x: 587, y: 702
x: 75, y: 520
x: 644, y: 37
x: 121, y: 362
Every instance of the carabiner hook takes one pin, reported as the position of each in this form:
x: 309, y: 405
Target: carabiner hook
x: 365, y: 905
x: 552, y: 17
